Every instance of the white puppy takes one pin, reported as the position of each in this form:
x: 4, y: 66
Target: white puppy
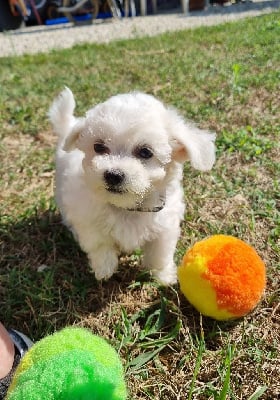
x: 118, y: 178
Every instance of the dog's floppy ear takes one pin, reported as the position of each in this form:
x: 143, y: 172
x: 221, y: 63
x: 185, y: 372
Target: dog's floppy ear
x: 191, y: 143
x: 65, y: 125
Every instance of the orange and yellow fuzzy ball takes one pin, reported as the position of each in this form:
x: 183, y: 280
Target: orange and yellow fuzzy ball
x: 222, y: 277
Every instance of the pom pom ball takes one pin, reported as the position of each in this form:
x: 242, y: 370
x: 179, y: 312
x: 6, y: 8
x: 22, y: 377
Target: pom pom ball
x: 70, y: 364
x: 222, y: 277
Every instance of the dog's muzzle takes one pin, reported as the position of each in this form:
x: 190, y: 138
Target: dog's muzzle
x: 114, y: 180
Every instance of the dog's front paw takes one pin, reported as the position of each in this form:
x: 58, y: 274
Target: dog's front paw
x: 102, y: 274
x: 103, y: 264
x: 166, y: 276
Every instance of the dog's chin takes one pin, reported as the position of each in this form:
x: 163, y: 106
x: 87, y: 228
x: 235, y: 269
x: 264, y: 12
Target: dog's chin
x: 114, y: 190
x: 123, y: 199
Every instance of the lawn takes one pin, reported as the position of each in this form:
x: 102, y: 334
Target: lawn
x: 226, y: 79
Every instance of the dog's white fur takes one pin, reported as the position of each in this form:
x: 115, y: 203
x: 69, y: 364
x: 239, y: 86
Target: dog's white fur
x: 147, y: 144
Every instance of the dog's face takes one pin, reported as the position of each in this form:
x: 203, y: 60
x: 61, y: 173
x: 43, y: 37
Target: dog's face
x: 126, y: 157
x: 130, y: 143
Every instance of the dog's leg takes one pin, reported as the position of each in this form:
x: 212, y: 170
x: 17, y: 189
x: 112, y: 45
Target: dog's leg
x: 104, y: 261
x: 102, y: 253
x: 158, y: 257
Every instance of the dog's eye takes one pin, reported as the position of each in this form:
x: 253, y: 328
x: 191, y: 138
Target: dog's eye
x: 101, y: 148
x: 144, y: 152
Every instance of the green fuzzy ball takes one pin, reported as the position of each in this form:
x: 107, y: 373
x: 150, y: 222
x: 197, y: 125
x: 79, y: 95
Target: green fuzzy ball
x: 72, y: 364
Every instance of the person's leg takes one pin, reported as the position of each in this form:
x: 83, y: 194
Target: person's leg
x: 7, y: 352
x: 13, y: 346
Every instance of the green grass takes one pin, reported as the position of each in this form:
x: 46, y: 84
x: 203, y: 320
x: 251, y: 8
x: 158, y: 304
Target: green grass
x: 226, y: 79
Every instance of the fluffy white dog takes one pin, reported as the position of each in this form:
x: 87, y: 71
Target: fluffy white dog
x: 118, y: 178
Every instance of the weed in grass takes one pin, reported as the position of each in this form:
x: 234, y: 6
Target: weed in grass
x: 145, y: 328
x: 236, y: 69
x: 258, y: 393
x: 201, y: 350
x: 247, y: 141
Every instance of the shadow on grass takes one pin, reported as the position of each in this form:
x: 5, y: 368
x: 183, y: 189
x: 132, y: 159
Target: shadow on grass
x: 46, y: 284
x: 45, y: 280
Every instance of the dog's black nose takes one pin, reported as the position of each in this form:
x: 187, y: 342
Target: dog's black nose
x: 114, y: 177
